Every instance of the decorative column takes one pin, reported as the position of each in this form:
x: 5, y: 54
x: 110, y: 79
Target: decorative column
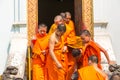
x: 32, y: 16
x: 32, y: 23
x: 87, y: 15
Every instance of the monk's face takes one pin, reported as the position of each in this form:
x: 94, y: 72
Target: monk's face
x: 67, y: 19
x: 42, y: 31
x: 59, y: 21
x: 85, y: 38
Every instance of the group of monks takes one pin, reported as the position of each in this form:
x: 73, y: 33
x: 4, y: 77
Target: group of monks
x: 54, y: 56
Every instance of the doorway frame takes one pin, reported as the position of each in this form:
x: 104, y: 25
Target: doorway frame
x: 83, y: 20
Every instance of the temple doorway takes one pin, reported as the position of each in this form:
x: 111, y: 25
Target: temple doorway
x: 48, y: 9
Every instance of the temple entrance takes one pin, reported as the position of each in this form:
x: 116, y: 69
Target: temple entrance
x: 39, y: 11
x: 44, y: 11
x: 48, y: 9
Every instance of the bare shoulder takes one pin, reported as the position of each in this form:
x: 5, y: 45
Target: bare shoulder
x: 52, y: 37
x: 99, y: 45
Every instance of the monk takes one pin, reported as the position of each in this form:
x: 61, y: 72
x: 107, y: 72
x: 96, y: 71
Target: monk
x: 92, y: 72
x: 91, y: 48
x: 69, y: 21
x: 70, y: 39
x: 40, y: 49
x: 63, y: 15
x: 69, y: 35
x: 57, y: 20
x: 57, y: 58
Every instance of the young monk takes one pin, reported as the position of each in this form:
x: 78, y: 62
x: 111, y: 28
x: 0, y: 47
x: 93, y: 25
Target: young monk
x: 91, y: 48
x: 92, y: 72
x: 70, y: 28
x: 70, y: 39
x: 57, y: 58
x: 40, y: 50
x: 68, y: 20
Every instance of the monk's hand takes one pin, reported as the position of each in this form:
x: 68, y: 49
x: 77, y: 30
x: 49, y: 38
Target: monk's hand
x: 43, y: 52
x: 111, y: 62
x: 59, y: 66
x: 64, y: 49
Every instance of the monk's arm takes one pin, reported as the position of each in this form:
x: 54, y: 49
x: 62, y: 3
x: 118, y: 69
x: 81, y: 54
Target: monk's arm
x: 51, y: 50
x: 105, y: 53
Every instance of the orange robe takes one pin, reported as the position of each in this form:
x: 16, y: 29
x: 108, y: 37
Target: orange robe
x: 91, y: 49
x: 52, y: 29
x: 53, y: 72
x: 39, y: 59
x: 70, y: 39
x: 71, y: 24
x: 69, y: 35
x: 89, y: 73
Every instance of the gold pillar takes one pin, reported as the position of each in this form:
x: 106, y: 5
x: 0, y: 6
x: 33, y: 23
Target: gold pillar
x: 32, y: 23
x: 32, y: 16
x: 87, y: 15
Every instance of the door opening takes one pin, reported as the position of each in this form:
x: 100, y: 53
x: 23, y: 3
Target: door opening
x: 48, y: 9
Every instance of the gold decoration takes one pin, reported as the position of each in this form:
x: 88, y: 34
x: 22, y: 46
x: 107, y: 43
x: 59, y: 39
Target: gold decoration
x: 32, y: 23
x: 32, y: 16
x: 87, y: 15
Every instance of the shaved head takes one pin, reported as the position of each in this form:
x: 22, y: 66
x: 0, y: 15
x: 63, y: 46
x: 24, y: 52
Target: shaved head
x: 58, y: 18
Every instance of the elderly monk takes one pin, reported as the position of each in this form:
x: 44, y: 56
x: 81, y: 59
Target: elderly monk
x: 40, y: 50
x: 92, y: 72
x: 57, y: 57
x: 57, y: 20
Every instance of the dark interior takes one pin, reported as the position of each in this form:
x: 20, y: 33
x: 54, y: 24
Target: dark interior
x: 48, y: 9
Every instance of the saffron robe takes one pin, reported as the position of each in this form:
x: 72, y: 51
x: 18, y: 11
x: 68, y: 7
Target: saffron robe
x: 69, y: 35
x: 69, y: 39
x: 52, y: 29
x: 89, y: 73
x: 54, y: 73
x: 38, y: 58
x: 91, y: 49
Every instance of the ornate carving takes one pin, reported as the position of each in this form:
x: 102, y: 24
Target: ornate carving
x: 32, y: 13
x: 87, y: 14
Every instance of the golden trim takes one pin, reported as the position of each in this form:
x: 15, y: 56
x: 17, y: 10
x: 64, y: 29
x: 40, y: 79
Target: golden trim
x: 32, y: 23
x: 0, y: 77
x: 32, y: 16
x: 87, y: 15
